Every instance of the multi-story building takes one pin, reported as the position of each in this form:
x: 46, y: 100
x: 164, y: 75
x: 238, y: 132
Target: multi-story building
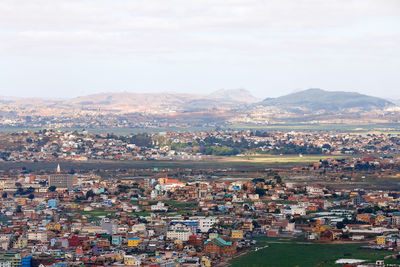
x: 396, y: 218
x: 40, y: 236
x: 179, y: 232
x: 206, y: 224
x: 61, y: 180
x: 10, y: 259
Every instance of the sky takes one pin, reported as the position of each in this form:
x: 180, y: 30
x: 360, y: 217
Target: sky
x: 64, y: 49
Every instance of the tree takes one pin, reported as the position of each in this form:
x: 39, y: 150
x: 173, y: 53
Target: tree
x: 18, y: 209
x: 340, y: 225
x: 31, y: 196
x: 90, y: 194
x: 5, y: 195
x: 278, y: 179
x: 52, y: 188
x: 260, y: 192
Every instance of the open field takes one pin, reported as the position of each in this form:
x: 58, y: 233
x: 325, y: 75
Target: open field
x: 393, y: 128
x: 244, y: 163
x: 302, y: 254
x: 286, y: 159
x: 352, y: 128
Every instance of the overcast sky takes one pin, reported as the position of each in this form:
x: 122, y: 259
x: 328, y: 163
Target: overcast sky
x: 52, y: 48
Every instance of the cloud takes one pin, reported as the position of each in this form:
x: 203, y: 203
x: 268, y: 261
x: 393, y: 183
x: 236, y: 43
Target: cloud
x: 159, y: 25
x: 228, y: 43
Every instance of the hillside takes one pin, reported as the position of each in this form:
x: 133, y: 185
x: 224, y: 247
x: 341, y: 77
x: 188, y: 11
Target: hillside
x: 234, y: 95
x: 329, y: 101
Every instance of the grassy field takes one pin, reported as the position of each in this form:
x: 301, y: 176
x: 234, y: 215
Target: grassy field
x: 353, y: 128
x: 280, y: 159
x: 393, y: 128
x: 245, y: 163
x: 281, y: 254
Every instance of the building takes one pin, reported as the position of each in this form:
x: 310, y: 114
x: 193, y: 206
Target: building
x: 10, y: 259
x: 219, y: 246
x: 381, y: 240
x: 63, y: 181
x: 358, y: 200
x: 179, y: 232
x: 109, y: 226
x: 40, y: 236
x: 116, y: 240
x: 396, y: 218
x: 237, y: 234
x: 130, y: 260
x: 160, y: 206
x: 206, y: 224
x: 134, y: 241
x: 52, y: 203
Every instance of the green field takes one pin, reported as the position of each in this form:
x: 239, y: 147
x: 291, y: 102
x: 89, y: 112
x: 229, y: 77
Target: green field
x: 340, y: 127
x: 281, y: 254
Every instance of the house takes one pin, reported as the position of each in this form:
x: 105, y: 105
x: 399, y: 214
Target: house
x: 219, y: 246
x: 134, y: 241
x: 116, y: 240
x: 326, y: 235
x: 381, y: 240
x: 130, y: 260
x: 237, y: 234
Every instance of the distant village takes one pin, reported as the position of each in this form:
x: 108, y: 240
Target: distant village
x: 55, y: 145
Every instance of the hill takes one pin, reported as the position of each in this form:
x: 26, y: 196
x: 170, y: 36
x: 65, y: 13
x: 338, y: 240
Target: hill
x: 329, y: 101
x: 234, y: 95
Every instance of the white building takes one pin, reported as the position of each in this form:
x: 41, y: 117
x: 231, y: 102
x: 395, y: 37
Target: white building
x: 207, y: 223
x: 160, y: 206
x: 179, y: 232
x: 38, y: 236
x: 297, y: 210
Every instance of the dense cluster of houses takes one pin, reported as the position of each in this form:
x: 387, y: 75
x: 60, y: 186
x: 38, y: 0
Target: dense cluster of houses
x: 52, y: 145
x: 159, y: 221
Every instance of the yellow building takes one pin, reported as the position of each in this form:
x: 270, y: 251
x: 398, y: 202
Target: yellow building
x: 134, y: 241
x: 21, y: 201
x: 205, y: 262
x: 237, y: 234
x: 21, y: 243
x: 381, y: 240
x: 380, y: 219
x: 247, y: 226
x: 55, y: 226
x: 319, y: 229
x: 129, y: 260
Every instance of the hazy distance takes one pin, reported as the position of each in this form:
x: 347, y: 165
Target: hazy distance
x: 66, y: 49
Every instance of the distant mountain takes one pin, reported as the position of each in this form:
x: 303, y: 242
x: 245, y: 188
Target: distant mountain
x: 395, y: 101
x: 234, y: 95
x: 224, y: 99
x: 131, y: 101
x: 329, y: 101
x: 223, y: 107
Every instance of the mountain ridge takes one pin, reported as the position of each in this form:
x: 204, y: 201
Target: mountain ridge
x: 318, y: 99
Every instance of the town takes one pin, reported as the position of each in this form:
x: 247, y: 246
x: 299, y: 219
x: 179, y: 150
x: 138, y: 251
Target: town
x: 203, y: 216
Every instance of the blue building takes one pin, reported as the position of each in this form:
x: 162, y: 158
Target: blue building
x: 116, y: 240
x: 52, y: 203
x: 26, y: 261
